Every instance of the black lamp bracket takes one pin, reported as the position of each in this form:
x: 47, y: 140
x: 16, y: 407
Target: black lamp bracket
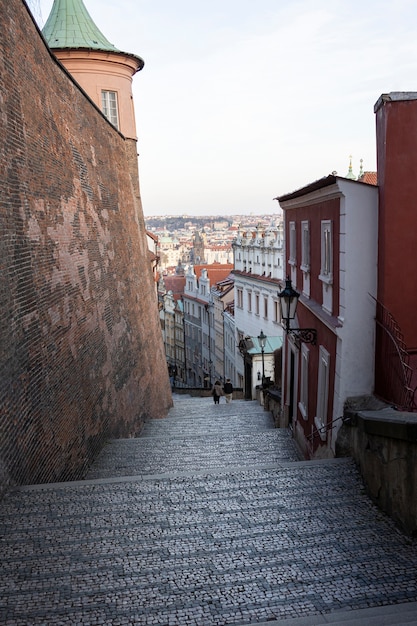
x: 305, y: 335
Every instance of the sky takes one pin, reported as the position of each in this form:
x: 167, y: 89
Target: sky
x: 242, y: 101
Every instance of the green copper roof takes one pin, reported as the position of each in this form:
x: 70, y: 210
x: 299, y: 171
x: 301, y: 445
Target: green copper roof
x: 350, y: 173
x: 69, y: 25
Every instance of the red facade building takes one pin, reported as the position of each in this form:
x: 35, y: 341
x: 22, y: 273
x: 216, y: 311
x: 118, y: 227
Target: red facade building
x: 350, y: 253
x: 331, y: 250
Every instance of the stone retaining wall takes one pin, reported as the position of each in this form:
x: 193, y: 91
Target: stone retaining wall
x: 384, y: 445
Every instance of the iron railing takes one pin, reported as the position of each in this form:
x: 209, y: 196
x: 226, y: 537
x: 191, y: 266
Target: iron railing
x: 393, y: 373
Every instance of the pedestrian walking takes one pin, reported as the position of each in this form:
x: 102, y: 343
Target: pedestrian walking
x: 217, y: 392
x: 228, y: 390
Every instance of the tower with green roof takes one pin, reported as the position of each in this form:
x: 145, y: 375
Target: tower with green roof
x: 103, y: 71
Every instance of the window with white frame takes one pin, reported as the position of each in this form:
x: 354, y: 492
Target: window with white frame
x: 257, y: 304
x: 303, y: 403
x: 305, y: 246
x: 249, y: 301
x: 322, y: 392
x: 266, y: 307
x: 293, y: 244
x: 239, y: 293
x: 326, y: 270
x: 277, y: 316
x: 109, y: 106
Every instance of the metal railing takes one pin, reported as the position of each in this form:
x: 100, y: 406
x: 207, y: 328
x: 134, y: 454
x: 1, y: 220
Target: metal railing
x: 393, y: 373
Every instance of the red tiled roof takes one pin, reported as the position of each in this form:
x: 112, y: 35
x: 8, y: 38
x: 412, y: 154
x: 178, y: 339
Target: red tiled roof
x: 371, y: 178
x: 216, y: 271
x: 175, y: 284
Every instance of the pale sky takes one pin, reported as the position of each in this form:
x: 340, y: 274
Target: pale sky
x: 241, y: 101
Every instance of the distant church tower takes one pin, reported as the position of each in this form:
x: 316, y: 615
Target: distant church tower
x: 198, y: 248
x: 104, y: 72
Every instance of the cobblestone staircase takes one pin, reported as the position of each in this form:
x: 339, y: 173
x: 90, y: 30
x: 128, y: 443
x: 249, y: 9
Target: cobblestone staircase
x: 208, y: 519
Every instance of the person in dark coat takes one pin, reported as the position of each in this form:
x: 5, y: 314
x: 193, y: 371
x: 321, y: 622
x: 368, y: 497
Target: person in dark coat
x: 228, y: 390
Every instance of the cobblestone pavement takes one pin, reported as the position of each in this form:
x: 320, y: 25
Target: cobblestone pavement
x: 208, y: 519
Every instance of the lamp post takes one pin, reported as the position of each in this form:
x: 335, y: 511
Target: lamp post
x: 288, y: 300
x: 262, y: 342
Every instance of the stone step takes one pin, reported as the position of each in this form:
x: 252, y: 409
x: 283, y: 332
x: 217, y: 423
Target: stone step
x: 178, y: 453
x: 229, y: 532
x: 397, y: 615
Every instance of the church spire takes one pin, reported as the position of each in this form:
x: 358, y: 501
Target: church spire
x: 350, y: 173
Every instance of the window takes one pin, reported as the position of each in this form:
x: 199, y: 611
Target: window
x: 256, y: 304
x: 249, y: 301
x: 303, y: 403
x: 293, y: 244
x: 277, y: 316
x: 326, y: 274
x: 266, y: 308
x: 305, y: 247
x: 239, y: 298
x: 109, y: 107
x: 322, y: 392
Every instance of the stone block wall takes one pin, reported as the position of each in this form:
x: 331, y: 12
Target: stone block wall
x: 384, y: 445
x: 81, y: 351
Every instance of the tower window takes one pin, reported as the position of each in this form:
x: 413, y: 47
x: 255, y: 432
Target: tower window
x: 109, y: 107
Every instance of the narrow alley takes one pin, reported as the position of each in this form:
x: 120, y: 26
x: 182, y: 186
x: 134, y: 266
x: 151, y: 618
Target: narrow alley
x: 208, y: 519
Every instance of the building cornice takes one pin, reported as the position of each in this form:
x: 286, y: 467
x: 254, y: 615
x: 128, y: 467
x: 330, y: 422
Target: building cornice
x: 258, y: 278
x: 313, y: 197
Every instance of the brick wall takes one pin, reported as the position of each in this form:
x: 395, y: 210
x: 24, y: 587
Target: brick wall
x: 81, y: 352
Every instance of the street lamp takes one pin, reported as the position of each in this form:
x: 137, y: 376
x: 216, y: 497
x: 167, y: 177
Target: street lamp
x: 262, y: 342
x: 288, y: 300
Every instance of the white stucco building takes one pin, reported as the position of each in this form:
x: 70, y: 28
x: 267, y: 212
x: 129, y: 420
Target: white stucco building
x: 258, y: 268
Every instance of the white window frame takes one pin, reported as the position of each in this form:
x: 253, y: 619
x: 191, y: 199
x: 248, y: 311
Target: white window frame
x: 277, y: 312
x: 249, y: 302
x: 239, y: 294
x: 305, y: 246
x: 110, y: 107
x: 326, y: 269
x: 266, y: 307
x: 320, y: 419
x: 292, y: 260
x: 303, y: 403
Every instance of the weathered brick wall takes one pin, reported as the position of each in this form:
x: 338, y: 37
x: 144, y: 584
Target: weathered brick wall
x: 81, y: 349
